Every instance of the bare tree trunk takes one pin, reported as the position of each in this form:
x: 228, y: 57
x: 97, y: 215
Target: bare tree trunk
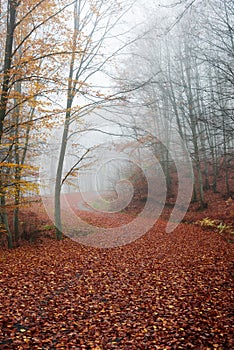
x: 17, y: 169
x: 11, y: 19
x: 70, y: 97
x: 4, y: 219
x: 225, y: 155
x: 58, y: 180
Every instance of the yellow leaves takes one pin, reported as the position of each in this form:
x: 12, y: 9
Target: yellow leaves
x: 15, y: 165
x: 2, y: 230
x: 216, y: 224
x: 8, y: 165
x: 26, y: 59
x: 5, y: 145
x: 207, y: 222
x: 13, y: 179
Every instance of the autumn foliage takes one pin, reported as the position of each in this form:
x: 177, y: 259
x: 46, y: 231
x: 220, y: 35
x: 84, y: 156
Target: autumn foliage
x: 164, y: 291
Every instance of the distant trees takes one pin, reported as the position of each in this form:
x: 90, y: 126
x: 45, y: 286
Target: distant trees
x: 190, y: 68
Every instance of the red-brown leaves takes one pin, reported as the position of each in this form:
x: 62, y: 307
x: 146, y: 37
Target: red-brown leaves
x: 164, y: 291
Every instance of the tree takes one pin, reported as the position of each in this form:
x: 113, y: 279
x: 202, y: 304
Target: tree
x: 93, y: 28
x: 189, y: 64
x: 27, y: 80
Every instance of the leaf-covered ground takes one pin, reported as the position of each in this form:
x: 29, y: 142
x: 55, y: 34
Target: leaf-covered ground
x: 163, y: 291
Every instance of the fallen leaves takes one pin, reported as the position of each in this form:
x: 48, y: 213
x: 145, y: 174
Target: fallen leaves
x: 164, y: 291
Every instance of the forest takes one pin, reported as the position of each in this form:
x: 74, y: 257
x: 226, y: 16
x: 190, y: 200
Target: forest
x: 116, y: 174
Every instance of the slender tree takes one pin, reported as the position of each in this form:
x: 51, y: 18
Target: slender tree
x: 94, y: 23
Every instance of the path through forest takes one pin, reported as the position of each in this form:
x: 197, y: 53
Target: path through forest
x: 163, y: 291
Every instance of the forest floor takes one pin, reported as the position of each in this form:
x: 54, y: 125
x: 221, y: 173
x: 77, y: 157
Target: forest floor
x: 162, y: 291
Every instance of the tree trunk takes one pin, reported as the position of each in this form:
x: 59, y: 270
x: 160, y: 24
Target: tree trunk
x: 70, y: 97
x: 11, y: 19
x: 58, y: 180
